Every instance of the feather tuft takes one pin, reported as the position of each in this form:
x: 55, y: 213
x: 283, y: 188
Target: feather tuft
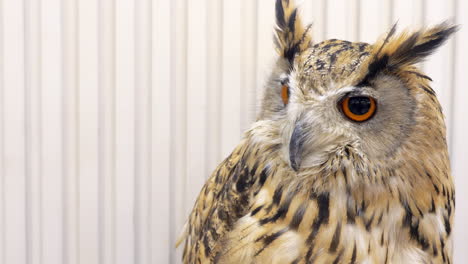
x: 291, y: 36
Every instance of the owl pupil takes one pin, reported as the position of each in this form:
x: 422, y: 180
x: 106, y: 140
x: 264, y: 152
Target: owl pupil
x: 359, y: 105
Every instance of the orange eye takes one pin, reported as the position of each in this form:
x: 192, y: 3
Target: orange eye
x: 285, y: 94
x: 358, y: 108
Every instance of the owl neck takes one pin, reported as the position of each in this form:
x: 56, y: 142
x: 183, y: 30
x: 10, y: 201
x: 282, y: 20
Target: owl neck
x: 358, y: 182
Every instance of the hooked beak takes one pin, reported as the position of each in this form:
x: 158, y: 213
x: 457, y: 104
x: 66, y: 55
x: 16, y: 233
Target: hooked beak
x: 296, y: 146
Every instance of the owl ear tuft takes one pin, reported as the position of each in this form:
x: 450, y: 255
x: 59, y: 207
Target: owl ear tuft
x: 408, y: 48
x: 291, y: 36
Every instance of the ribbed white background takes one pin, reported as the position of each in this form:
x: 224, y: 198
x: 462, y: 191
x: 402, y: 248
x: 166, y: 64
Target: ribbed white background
x: 114, y: 112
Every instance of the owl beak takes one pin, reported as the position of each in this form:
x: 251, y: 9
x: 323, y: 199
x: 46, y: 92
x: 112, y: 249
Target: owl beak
x: 296, y: 146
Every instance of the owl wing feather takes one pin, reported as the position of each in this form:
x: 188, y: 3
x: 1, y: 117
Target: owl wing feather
x: 224, y: 199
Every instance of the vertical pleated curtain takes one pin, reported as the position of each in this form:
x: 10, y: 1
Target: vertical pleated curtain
x: 114, y: 112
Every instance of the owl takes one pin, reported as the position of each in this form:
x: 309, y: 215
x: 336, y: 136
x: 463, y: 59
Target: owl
x: 347, y: 161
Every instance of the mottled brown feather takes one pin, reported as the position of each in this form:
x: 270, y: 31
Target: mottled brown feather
x: 376, y: 192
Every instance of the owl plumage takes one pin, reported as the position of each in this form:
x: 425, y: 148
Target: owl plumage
x: 309, y: 183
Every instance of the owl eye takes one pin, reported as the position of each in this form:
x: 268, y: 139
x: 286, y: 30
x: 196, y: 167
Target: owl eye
x: 285, y: 94
x: 358, y: 108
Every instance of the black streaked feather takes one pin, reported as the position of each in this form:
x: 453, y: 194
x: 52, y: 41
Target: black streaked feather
x: 412, y: 50
x: 425, y: 49
x: 280, y: 20
x: 387, y: 38
x: 336, y: 239
x: 375, y: 67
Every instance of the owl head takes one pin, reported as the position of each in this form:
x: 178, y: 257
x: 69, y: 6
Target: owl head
x: 339, y: 98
